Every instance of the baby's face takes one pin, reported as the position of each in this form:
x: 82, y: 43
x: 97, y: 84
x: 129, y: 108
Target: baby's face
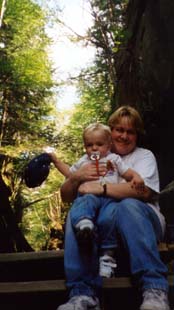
x: 96, y: 141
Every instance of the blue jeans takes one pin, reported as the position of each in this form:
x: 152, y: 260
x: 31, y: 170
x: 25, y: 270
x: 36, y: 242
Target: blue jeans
x: 93, y: 207
x: 139, y: 228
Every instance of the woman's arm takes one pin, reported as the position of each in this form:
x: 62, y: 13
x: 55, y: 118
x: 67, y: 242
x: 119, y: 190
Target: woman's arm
x: 85, y: 173
x: 125, y: 190
x: 69, y: 188
x: 118, y: 191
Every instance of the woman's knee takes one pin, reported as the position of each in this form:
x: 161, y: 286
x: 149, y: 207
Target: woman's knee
x: 130, y: 207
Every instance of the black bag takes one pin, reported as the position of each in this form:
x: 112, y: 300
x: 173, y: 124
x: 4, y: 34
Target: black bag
x: 37, y: 170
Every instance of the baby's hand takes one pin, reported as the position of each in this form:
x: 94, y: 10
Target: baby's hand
x: 138, y: 184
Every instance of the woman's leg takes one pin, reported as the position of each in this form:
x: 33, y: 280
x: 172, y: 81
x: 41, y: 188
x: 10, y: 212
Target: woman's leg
x: 140, y: 230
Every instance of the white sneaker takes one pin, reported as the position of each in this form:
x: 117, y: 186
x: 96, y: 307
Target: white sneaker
x: 154, y: 299
x: 107, y: 266
x: 81, y: 302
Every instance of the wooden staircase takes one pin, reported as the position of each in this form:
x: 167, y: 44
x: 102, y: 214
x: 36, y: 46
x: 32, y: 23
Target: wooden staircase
x: 35, y: 280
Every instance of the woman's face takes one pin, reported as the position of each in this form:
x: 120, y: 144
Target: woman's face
x: 124, y: 136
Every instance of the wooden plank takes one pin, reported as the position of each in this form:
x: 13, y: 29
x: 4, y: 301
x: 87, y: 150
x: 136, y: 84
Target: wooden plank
x: 44, y: 255
x: 24, y: 256
x: 125, y: 282
x: 121, y: 282
x: 32, y: 286
x: 59, y: 285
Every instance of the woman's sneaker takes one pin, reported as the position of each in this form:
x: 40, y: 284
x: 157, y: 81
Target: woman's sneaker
x: 107, y: 266
x: 81, y: 302
x: 154, y: 299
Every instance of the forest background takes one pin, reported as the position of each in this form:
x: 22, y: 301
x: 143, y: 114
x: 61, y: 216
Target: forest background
x: 133, y: 65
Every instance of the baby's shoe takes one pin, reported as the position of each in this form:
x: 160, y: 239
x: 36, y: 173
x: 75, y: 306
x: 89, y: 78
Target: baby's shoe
x: 107, y: 266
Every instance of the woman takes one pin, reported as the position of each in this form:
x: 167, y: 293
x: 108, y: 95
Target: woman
x: 135, y: 216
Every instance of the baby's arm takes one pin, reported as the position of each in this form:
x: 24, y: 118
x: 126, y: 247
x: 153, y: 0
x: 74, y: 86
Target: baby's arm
x: 135, y: 179
x: 60, y: 165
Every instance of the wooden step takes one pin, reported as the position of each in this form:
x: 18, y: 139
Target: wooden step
x: 59, y: 285
x: 59, y: 254
x: 32, y: 266
x: 32, y: 286
x: 48, y: 265
x: 31, y: 256
x: 35, y: 280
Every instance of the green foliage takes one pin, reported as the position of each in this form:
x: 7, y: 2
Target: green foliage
x: 26, y: 76
x: 27, y: 105
x: 25, y: 43
x: 108, y: 34
x: 28, y: 117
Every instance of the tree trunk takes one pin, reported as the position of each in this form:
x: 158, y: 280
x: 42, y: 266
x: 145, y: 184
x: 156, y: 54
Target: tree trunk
x: 146, y: 76
x: 145, y: 71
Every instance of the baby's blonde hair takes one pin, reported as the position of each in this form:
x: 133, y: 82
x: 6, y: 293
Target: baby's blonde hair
x: 97, y: 126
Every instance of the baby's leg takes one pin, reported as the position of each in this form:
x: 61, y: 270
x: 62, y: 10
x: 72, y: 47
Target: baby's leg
x: 83, y: 217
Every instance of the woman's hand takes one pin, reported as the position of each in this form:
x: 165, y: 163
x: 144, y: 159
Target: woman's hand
x: 91, y: 188
x: 85, y: 173
x: 138, y: 184
x: 88, y: 172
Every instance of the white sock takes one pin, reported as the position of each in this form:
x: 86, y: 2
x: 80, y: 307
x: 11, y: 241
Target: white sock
x: 85, y: 223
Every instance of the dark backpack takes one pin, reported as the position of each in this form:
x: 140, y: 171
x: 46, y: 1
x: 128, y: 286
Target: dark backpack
x: 37, y: 170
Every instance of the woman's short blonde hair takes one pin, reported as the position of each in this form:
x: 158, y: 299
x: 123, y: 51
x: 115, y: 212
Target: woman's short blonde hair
x: 131, y: 113
x: 97, y: 126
